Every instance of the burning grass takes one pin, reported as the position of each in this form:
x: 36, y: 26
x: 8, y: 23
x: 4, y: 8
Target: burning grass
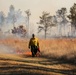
x: 52, y: 48
x: 56, y: 56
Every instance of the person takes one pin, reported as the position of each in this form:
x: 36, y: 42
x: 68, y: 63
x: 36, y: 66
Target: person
x: 34, y: 45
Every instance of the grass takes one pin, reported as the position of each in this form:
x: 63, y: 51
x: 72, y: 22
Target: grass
x: 56, y: 48
x: 58, y: 57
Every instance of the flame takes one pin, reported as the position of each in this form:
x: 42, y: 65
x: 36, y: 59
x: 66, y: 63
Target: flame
x: 28, y: 53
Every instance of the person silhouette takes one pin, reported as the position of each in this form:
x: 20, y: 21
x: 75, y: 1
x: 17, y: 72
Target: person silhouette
x: 34, y: 45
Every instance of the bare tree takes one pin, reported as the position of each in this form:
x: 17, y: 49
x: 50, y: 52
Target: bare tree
x: 45, y: 23
x: 61, y: 14
x: 72, y: 17
x: 28, y: 18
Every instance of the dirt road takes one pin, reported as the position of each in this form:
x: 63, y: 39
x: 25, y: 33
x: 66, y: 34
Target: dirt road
x: 20, y: 64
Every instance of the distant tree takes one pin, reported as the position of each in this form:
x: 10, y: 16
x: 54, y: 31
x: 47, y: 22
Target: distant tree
x: 64, y: 18
x: 28, y: 13
x: 14, y: 19
x: 20, y: 30
x: 61, y: 14
x: 45, y: 22
x: 72, y: 17
x: 11, y: 8
x: 54, y: 18
x: 12, y: 15
x: 2, y: 18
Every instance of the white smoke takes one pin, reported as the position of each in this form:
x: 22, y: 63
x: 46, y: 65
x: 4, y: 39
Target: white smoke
x: 4, y: 49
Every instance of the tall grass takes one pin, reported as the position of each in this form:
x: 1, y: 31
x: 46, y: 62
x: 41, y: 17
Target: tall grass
x: 64, y: 49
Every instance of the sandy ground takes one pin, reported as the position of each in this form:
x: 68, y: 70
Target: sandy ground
x: 57, y: 57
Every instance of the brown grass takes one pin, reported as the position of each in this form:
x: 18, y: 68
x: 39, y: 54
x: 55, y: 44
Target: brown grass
x: 51, y: 47
x: 57, y: 57
x: 59, y: 47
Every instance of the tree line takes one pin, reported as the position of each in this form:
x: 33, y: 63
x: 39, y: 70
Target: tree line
x: 61, y: 18
x: 46, y: 21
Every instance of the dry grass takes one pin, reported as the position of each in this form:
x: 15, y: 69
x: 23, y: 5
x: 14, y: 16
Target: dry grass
x: 57, y: 57
x: 59, y: 48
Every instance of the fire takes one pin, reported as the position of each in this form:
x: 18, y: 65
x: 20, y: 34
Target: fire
x: 28, y: 54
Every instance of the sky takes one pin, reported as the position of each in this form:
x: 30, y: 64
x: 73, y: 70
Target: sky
x: 36, y: 6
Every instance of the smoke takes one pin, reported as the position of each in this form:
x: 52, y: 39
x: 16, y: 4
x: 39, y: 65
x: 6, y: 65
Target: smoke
x: 4, y: 49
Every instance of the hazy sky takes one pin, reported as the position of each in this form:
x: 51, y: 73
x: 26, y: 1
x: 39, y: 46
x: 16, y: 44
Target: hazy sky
x: 36, y: 6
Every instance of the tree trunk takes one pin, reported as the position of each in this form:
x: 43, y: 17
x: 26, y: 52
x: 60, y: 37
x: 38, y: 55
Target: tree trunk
x: 73, y: 31
x: 45, y: 33
x: 64, y: 31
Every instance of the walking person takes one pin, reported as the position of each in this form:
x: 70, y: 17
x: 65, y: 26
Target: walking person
x: 33, y: 45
